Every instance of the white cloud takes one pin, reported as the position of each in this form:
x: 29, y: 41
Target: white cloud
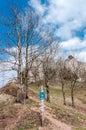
x: 73, y: 44
x: 75, y: 47
x: 36, y: 4
x: 64, y: 32
x: 5, y: 75
x: 70, y: 15
x: 81, y: 56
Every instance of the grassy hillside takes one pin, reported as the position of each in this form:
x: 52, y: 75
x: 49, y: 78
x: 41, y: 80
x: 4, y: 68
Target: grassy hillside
x: 16, y: 116
x: 76, y: 117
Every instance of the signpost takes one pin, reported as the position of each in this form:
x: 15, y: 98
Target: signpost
x: 42, y: 97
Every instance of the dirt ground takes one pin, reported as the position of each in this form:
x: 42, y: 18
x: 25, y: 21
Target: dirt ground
x: 15, y: 116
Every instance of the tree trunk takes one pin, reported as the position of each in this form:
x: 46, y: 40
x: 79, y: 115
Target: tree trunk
x: 19, y: 73
x: 26, y: 84
x: 72, y: 96
x: 20, y: 67
x: 19, y: 96
x: 26, y: 70
x: 19, y: 60
x: 63, y: 92
x: 48, y: 92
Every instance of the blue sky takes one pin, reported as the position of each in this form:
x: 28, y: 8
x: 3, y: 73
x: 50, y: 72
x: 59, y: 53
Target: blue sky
x: 66, y: 17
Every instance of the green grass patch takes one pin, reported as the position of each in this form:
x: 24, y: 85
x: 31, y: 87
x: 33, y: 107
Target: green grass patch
x: 68, y: 116
x: 21, y: 128
x: 79, y: 129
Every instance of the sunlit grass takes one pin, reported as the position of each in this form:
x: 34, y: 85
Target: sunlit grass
x: 66, y: 114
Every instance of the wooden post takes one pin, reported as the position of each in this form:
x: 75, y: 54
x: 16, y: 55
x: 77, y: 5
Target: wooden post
x: 42, y: 97
x: 42, y: 112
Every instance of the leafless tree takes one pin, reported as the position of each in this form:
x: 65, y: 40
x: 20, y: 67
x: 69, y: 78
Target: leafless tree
x: 12, y: 43
x: 72, y: 75
x: 48, y: 64
x: 35, y: 38
x: 22, y: 36
x: 61, y: 74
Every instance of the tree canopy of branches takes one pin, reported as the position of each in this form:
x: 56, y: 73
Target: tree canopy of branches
x: 48, y: 63
x: 24, y: 40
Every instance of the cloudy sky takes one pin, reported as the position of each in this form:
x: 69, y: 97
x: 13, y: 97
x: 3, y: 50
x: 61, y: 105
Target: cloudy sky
x: 66, y: 17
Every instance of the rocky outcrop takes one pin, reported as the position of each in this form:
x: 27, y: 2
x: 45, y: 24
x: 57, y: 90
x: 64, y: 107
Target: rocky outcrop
x: 76, y: 66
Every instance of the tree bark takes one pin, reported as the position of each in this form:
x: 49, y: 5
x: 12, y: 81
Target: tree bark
x: 19, y: 72
x: 19, y: 65
x: 63, y: 92
x: 26, y: 70
x: 72, y: 97
x: 48, y: 92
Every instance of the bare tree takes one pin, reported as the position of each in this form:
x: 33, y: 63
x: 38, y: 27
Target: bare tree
x: 73, y: 76
x: 35, y: 39
x: 73, y: 71
x: 48, y: 64
x: 12, y: 43
x: 61, y: 73
x: 30, y: 35
x: 23, y: 32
